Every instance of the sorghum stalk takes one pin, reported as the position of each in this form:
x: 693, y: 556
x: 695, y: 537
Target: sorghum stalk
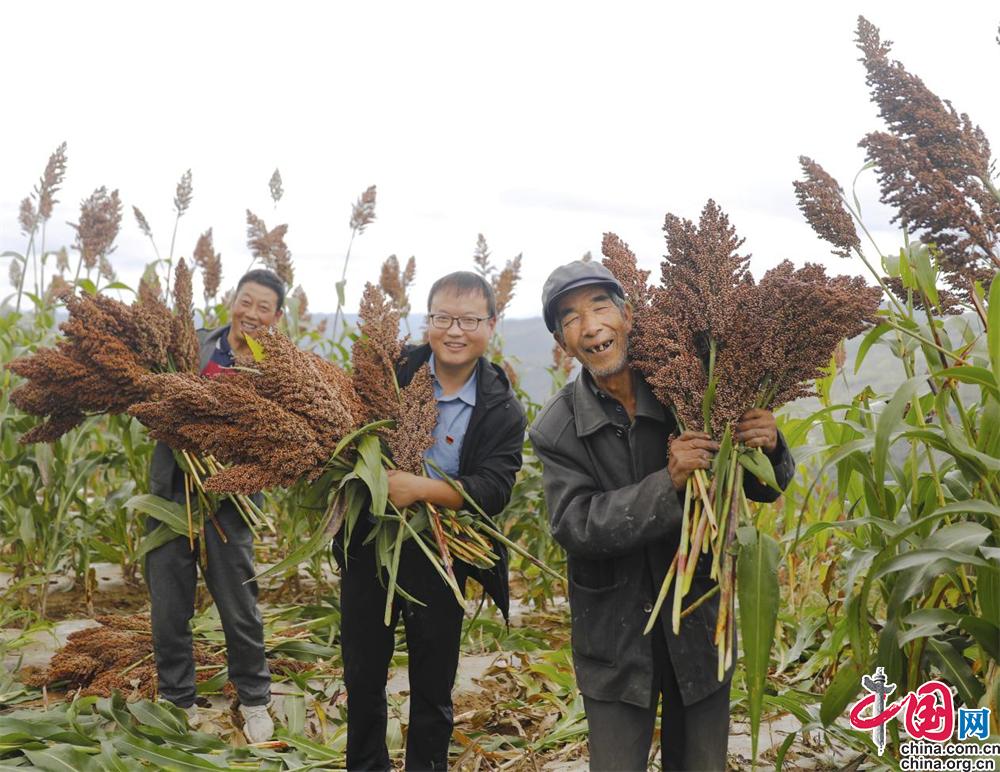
x: 435, y: 520
x: 665, y: 586
x: 682, y: 551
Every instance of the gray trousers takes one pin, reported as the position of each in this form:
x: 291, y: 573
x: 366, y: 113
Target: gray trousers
x: 171, y: 574
x: 692, y: 737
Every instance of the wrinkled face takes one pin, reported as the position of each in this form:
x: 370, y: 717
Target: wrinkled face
x: 594, y: 330
x: 456, y: 347
x: 254, y: 308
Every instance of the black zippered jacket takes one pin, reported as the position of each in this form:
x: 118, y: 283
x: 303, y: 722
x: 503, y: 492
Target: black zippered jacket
x: 490, y: 456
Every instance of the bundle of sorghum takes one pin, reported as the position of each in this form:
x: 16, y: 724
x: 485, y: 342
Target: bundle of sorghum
x: 274, y: 421
x: 708, y: 327
x: 101, y: 362
x: 106, y: 362
x: 712, y: 343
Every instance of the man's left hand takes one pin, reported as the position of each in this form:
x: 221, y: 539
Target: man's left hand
x: 404, y: 488
x: 758, y: 429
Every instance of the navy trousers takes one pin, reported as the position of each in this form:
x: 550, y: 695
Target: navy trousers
x: 433, y: 635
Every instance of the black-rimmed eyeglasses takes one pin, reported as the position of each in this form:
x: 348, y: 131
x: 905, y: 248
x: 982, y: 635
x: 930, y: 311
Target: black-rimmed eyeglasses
x: 466, y: 323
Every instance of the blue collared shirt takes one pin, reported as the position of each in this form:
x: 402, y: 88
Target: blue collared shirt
x: 454, y: 412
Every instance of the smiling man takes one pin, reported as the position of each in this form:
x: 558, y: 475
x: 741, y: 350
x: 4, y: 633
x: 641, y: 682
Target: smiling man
x: 478, y: 440
x: 611, y: 487
x: 171, y: 569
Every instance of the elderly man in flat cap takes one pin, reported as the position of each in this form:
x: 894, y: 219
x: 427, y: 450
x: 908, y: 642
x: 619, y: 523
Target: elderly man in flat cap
x: 612, y: 492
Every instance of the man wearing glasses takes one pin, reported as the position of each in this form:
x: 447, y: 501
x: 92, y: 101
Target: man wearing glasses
x: 478, y: 440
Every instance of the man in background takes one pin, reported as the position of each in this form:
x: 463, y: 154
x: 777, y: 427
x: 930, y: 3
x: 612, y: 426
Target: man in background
x: 171, y: 569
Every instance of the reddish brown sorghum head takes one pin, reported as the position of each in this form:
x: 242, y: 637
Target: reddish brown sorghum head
x: 105, y: 270
x: 301, y: 303
x: 771, y: 339
x: 703, y: 272
x: 505, y: 282
x: 210, y: 264
x: 820, y: 199
x: 798, y: 319
x: 417, y: 415
x: 62, y: 260
x: 269, y: 247
x: 227, y: 418
x: 305, y: 384
x: 154, y: 327
x: 184, y: 348
x: 949, y: 303
x: 375, y: 353
x: 394, y: 283
x: 57, y: 288
x: 934, y: 166
x: 100, y: 219
x: 99, y: 366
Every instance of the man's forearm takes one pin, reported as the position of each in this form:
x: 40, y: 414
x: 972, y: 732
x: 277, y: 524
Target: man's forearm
x: 440, y: 493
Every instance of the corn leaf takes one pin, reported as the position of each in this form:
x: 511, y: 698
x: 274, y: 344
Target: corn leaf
x: 993, y: 329
x: 369, y: 468
x: 156, y: 538
x: 170, y: 513
x: 295, y: 713
x: 60, y: 758
x: 162, y: 756
x: 845, y: 685
x: 888, y: 422
x: 757, y: 590
x: 870, y: 339
x: 760, y: 466
x: 157, y: 716
x: 342, y: 503
x: 956, y: 671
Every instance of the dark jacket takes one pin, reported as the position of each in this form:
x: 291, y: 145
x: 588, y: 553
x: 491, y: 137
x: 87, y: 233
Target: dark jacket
x: 613, y: 507
x: 489, y: 461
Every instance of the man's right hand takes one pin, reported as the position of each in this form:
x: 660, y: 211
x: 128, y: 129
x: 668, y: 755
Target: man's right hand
x: 690, y: 451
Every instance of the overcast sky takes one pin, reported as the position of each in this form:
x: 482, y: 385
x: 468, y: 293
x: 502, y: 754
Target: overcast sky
x: 539, y: 124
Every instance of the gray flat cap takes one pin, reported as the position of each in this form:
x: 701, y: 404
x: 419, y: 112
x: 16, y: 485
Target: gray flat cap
x: 570, y: 277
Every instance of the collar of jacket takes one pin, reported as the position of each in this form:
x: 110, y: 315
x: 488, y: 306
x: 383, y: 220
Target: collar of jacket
x: 207, y: 340
x: 492, y: 385
x: 590, y: 416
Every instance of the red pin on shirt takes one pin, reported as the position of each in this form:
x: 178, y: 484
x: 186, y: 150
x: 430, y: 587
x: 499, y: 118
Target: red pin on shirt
x: 449, y: 439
